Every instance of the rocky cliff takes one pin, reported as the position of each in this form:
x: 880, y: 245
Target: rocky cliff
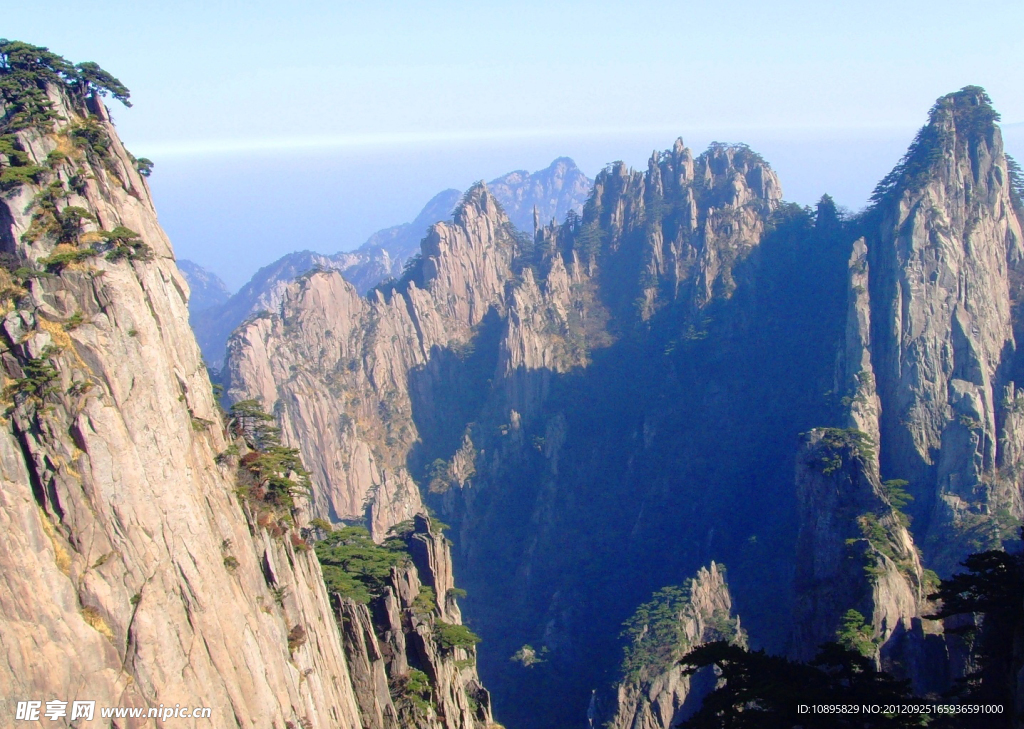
x: 131, y: 573
x: 928, y: 400
x: 335, y: 367
x: 544, y: 196
x: 264, y: 291
x: 411, y: 666
x: 944, y: 242
x: 654, y: 692
x: 137, y: 569
x: 618, y: 399
x: 854, y: 547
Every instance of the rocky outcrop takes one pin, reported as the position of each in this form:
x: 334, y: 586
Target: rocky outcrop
x: 546, y: 195
x: 659, y: 694
x: 643, y: 369
x: 856, y: 378
x: 927, y: 397
x: 944, y: 240
x: 854, y: 550
x: 678, y: 229
x: 264, y: 292
x: 396, y: 641
x: 130, y: 574
x: 414, y: 330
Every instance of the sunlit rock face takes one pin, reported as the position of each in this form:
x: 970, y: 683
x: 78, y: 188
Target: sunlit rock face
x: 945, y: 244
x: 130, y: 574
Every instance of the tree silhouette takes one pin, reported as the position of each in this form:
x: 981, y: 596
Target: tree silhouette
x: 762, y: 691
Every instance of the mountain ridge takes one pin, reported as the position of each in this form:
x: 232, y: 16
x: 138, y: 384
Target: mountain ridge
x: 648, y: 368
x: 551, y: 193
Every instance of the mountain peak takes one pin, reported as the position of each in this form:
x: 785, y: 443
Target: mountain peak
x: 477, y: 202
x: 563, y: 163
x: 958, y: 124
x: 971, y: 106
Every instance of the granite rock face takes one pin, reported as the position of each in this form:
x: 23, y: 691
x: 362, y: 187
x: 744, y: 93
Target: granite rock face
x: 928, y: 399
x: 546, y: 195
x: 212, y: 325
x: 644, y: 369
x: 131, y: 574
x: 335, y: 367
x: 855, y: 547
x: 396, y: 636
x: 944, y: 245
x: 344, y: 373
x: 443, y: 387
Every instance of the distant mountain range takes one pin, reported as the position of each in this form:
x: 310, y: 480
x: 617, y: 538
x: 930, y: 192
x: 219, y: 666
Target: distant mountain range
x: 214, y: 312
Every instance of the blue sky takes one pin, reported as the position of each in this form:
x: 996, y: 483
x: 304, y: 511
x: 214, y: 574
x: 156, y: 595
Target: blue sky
x: 277, y: 126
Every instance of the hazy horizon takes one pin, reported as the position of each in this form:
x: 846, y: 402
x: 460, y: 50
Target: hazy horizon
x: 276, y: 128
x: 211, y: 204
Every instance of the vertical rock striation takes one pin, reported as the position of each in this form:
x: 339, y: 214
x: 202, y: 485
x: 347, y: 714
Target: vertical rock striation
x: 455, y: 378
x: 944, y: 240
x: 927, y: 397
x: 854, y: 549
x: 130, y: 574
x: 335, y: 367
x: 549, y: 194
x: 397, y: 638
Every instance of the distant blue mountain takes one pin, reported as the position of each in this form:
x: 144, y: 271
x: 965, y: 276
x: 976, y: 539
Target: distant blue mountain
x: 214, y: 314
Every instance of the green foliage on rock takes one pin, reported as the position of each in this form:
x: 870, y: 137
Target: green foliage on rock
x: 528, y: 656
x: 270, y: 472
x: 125, y: 243
x: 90, y: 136
x: 354, y: 566
x: 26, y: 71
x: 94, y: 80
x: 971, y: 112
x: 412, y: 692
x: 1016, y: 183
x: 855, y: 634
x: 451, y: 636
x: 895, y: 492
x: 40, y: 376
x: 836, y: 443
x: 990, y: 594
x: 16, y: 169
x: 654, y: 633
x: 144, y: 166
x: 28, y: 77
x: 425, y: 602
x: 61, y: 259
